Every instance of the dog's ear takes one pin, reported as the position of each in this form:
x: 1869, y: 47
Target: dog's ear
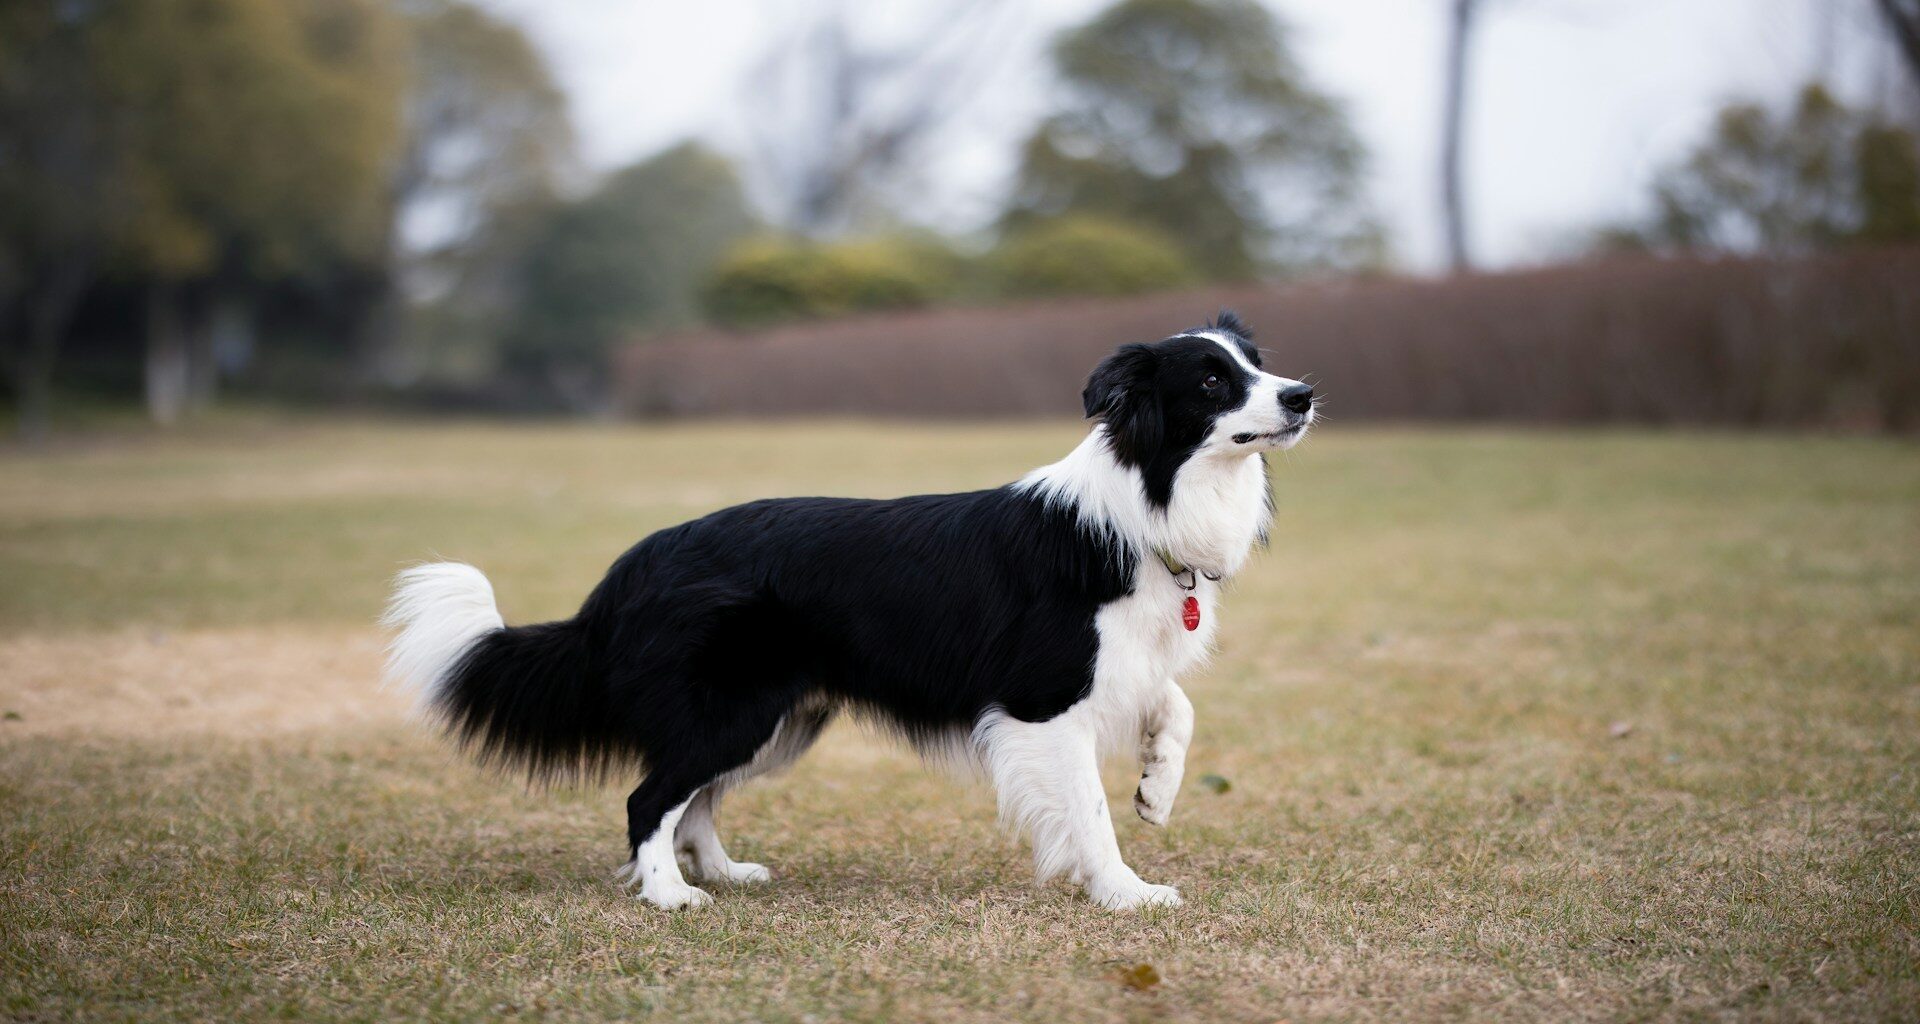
x: 1120, y: 393
x: 1118, y: 379
x: 1230, y: 322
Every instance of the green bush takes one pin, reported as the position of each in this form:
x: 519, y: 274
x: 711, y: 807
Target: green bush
x: 769, y: 280
x: 1082, y: 255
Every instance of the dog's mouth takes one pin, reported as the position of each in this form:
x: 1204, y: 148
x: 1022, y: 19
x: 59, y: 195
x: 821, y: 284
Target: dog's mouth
x: 1280, y: 436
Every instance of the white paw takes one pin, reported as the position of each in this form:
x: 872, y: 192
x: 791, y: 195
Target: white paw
x: 1153, y: 800
x: 735, y: 871
x: 1134, y: 895
x: 742, y: 873
x: 674, y: 896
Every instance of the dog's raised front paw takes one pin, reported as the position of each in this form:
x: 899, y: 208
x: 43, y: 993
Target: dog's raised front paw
x: 1153, y: 798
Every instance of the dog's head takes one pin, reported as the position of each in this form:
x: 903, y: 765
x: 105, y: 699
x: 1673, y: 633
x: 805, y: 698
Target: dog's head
x: 1200, y: 394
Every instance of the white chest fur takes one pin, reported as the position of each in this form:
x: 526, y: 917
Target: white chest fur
x: 1217, y: 513
x: 1143, y: 644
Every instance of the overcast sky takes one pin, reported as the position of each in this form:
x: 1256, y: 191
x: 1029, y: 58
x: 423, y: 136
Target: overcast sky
x: 1574, y: 103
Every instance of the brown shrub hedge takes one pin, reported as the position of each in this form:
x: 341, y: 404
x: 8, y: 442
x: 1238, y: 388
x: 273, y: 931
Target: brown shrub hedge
x: 1829, y: 341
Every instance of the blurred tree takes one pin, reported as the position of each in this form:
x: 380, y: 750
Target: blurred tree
x: 255, y: 139
x: 1822, y: 174
x: 212, y: 153
x: 836, y: 121
x: 487, y: 143
x: 627, y: 258
x: 1452, y: 205
x: 198, y: 147
x: 1085, y: 255
x: 55, y: 206
x: 1887, y: 170
x: 1191, y: 117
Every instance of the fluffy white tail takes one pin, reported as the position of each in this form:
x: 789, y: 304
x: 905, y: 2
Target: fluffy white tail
x: 440, y: 609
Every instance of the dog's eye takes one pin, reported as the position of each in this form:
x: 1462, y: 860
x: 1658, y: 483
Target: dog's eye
x: 1211, y: 382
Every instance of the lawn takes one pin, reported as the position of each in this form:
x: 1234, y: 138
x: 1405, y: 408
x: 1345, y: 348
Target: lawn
x: 1559, y: 726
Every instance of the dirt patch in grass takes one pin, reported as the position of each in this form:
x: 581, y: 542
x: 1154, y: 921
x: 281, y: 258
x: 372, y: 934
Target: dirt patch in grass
x: 157, y: 682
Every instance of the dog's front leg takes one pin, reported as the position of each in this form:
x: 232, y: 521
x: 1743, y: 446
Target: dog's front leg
x: 1048, y: 778
x: 1163, y: 754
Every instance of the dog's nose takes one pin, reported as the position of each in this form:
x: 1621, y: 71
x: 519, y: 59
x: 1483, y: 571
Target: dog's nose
x: 1298, y: 398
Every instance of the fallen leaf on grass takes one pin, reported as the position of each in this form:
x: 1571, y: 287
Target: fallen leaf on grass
x: 1216, y: 783
x: 1140, y: 977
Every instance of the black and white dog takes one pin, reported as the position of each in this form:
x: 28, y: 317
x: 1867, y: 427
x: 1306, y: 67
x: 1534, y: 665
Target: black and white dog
x: 1026, y: 630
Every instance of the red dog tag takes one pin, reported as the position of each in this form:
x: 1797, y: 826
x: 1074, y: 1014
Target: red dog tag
x: 1190, y: 613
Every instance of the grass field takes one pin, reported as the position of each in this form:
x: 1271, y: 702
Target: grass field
x: 1558, y: 726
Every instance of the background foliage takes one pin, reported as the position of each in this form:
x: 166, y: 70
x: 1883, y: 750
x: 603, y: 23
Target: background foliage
x: 1815, y: 176
x: 1185, y: 115
x: 1088, y: 255
x: 380, y: 201
x: 624, y: 259
x: 775, y: 279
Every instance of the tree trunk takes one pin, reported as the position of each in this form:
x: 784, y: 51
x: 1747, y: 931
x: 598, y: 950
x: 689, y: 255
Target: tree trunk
x: 1452, y: 116
x: 219, y: 341
x: 233, y: 331
x: 376, y: 333
x: 1904, y: 21
x: 203, y: 372
x: 48, y: 315
x: 169, y: 371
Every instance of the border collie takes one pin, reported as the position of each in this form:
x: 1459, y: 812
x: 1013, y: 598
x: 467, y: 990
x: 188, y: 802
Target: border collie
x: 1027, y: 630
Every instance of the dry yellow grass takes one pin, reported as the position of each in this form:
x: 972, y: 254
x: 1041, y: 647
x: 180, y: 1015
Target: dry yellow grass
x: 1519, y: 727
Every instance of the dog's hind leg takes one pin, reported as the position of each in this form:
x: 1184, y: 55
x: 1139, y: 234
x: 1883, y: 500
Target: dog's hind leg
x: 655, y: 810
x: 1047, y: 775
x: 662, y: 804
x: 1164, y: 739
x: 721, y: 737
x: 697, y: 838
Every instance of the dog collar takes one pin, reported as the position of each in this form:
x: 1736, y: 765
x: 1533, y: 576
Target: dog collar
x: 1189, y: 608
x: 1178, y: 570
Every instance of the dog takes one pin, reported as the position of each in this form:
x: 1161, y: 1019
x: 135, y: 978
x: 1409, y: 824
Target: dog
x: 1025, y: 630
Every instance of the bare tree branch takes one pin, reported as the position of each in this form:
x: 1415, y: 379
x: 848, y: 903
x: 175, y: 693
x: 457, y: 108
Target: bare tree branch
x: 1903, y: 17
x: 833, y: 121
